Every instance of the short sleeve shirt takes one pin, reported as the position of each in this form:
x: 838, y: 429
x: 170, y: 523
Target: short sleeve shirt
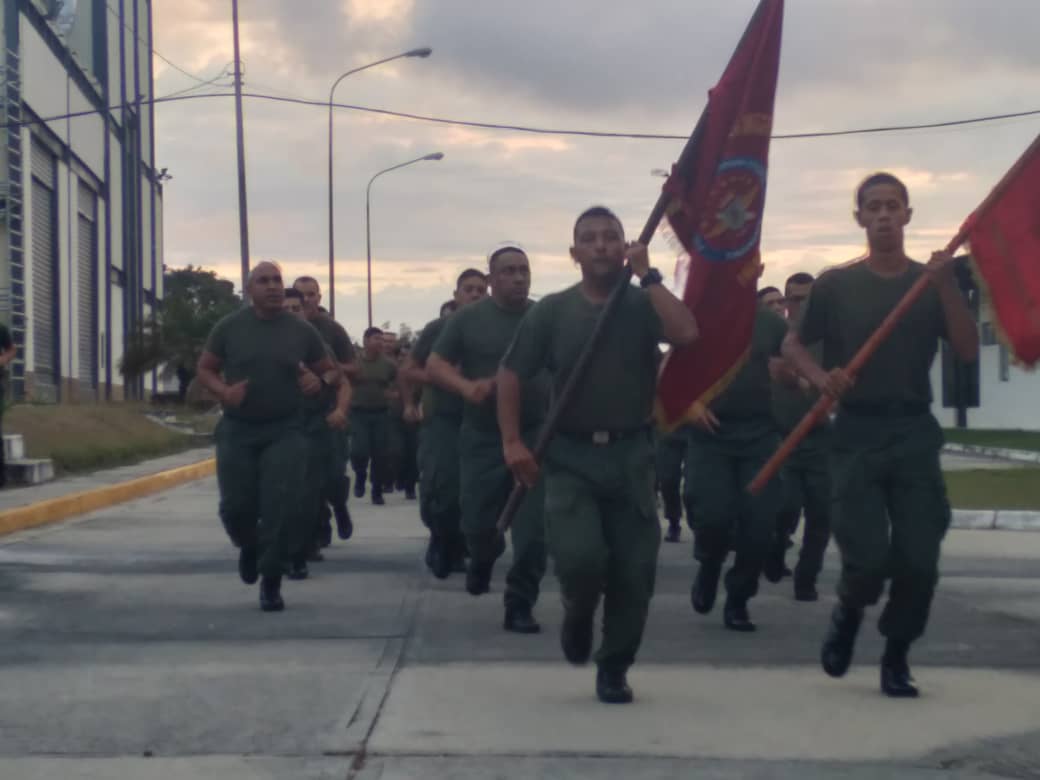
x: 371, y: 384
x: 847, y: 305
x: 267, y: 353
x: 475, y: 338
x: 335, y: 337
x: 617, y: 392
x: 435, y: 400
x: 750, y: 393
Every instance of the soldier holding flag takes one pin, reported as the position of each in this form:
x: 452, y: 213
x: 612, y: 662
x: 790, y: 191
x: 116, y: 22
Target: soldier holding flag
x: 600, y: 509
x: 890, y: 511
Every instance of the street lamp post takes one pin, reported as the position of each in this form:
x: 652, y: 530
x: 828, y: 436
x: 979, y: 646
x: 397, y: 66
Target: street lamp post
x: 423, y: 52
x: 368, y: 214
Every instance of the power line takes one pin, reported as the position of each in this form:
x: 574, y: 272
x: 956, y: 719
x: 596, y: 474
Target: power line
x: 196, y: 87
x: 174, y: 97
x: 155, y: 51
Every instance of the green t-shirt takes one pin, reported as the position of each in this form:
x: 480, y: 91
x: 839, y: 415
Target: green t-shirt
x: 334, y: 335
x: 749, y: 395
x: 373, y: 380
x: 792, y: 403
x: 268, y: 353
x: 435, y: 400
x: 475, y: 338
x: 847, y: 304
x: 617, y: 391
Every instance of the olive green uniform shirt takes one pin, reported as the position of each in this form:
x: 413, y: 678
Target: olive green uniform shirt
x: 475, y: 338
x: 847, y: 305
x: 617, y: 391
x: 335, y: 337
x: 372, y: 382
x: 750, y: 393
x: 268, y: 353
x: 435, y: 400
x: 791, y: 403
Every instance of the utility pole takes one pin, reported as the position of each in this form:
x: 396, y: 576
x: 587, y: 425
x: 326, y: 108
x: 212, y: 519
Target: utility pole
x: 243, y: 208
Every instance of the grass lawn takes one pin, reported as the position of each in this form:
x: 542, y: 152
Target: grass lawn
x: 92, y: 436
x: 994, y: 488
x: 1015, y: 440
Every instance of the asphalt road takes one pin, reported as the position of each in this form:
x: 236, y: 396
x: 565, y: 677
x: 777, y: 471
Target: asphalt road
x: 129, y: 649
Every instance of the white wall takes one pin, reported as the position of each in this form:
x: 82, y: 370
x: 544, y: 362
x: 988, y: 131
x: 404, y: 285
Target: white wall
x: 44, y: 85
x: 1011, y: 404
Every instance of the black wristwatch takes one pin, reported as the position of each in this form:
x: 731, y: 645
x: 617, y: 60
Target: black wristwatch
x: 652, y: 276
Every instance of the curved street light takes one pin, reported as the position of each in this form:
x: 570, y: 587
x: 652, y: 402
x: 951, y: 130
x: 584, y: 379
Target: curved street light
x: 423, y: 52
x: 368, y: 212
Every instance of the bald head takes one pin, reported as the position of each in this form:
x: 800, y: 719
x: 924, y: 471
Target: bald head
x: 266, y: 289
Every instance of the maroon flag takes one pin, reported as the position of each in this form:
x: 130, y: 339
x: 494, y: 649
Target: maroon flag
x: 1005, y: 246
x: 716, y: 212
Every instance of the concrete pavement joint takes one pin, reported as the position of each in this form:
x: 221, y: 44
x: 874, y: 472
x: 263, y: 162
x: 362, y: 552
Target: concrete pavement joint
x: 411, y: 607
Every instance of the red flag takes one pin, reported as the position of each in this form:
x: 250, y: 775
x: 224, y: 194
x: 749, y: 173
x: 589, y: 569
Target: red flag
x: 1005, y: 245
x: 716, y: 213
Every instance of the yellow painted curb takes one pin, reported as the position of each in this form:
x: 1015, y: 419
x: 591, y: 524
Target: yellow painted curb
x: 54, y: 509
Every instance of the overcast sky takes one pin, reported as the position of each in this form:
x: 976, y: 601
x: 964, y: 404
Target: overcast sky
x: 585, y: 64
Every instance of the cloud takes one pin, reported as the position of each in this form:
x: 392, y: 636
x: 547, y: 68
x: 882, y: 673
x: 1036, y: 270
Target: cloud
x: 584, y: 64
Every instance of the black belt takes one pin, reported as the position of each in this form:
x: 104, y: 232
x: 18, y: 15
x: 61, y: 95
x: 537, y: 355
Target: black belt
x: 603, y: 438
x: 887, y: 409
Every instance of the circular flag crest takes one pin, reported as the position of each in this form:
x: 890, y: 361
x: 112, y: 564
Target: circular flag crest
x: 732, y: 215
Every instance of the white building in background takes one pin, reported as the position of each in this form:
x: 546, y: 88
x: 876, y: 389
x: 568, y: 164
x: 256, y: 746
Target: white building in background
x: 81, y: 223
x: 1009, y: 396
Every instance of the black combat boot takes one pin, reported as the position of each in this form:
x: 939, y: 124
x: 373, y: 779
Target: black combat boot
x: 895, y: 671
x: 247, y: 564
x: 576, y: 634
x: 519, y: 620
x: 612, y: 687
x: 271, y: 594
x: 736, y: 618
x: 705, y: 587
x: 344, y: 525
x: 836, y: 654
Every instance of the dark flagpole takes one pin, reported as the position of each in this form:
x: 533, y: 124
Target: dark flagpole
x: 577, y: 374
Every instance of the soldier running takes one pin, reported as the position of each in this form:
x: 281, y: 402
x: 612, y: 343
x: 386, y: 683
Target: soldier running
x: 890, y: 511
x: 600, y: 509
x: 806, y: 485
x: 337, y: 446
x: 731, y: 440
x: 465, y: 361
x: 261, y: 350
x: 441, y: 416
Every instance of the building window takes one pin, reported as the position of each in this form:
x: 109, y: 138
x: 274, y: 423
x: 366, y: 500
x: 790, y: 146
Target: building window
x: 116, y: 277
x: 1005, y: 364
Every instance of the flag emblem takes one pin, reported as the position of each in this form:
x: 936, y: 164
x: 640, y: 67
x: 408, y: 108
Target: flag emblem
x: 732, y: 221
